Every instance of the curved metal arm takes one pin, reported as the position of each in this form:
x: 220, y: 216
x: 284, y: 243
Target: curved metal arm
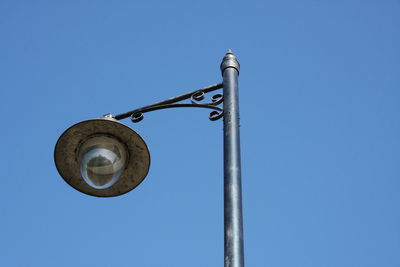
x: 195, y: 97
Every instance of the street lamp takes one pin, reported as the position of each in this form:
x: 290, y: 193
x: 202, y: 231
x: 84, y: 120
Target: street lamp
x: 104, y: 158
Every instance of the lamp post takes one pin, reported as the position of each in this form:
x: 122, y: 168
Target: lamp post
x: 104, y: 158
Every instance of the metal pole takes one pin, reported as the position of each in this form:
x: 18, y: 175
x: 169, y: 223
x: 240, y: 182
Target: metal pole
x: 233, y: 226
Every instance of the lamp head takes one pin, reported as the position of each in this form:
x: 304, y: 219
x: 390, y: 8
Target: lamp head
x: 102, y: 157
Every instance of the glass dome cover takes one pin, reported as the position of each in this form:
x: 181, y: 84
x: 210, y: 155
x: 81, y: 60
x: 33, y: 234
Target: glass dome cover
x: 102, y: 159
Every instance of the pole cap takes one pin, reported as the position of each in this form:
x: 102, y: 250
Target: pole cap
x: 230, y: 61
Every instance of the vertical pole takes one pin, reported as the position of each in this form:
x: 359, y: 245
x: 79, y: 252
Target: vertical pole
x: 233, y: 226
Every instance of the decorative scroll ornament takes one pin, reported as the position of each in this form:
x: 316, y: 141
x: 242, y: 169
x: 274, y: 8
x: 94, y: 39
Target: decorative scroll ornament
x: 196, y: 98
x: 216, y: 100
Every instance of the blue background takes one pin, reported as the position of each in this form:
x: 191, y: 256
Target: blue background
x: 320, y: 128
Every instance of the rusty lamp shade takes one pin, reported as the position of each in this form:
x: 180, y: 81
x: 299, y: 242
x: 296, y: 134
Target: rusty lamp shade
x: 102, y: 157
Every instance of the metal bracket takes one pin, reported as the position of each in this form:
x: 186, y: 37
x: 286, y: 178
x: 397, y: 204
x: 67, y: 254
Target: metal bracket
x: 195, y: 97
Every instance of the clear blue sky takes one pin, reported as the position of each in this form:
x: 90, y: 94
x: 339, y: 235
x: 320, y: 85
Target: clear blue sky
x: 320, y: 128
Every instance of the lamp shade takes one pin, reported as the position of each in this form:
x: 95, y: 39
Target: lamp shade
x: 102, y: 157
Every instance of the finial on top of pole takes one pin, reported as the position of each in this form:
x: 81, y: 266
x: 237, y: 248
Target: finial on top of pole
x: 230, y: 61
